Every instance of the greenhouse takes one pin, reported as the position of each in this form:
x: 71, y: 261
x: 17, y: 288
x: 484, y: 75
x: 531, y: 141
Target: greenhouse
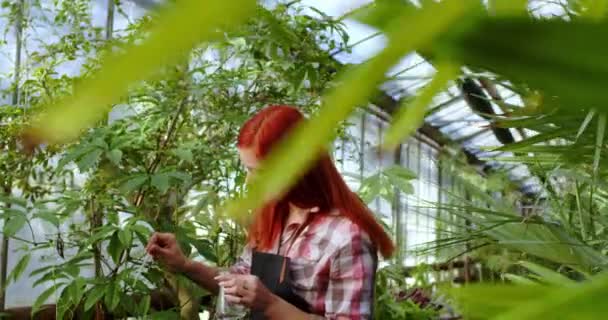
x: 303, y: 159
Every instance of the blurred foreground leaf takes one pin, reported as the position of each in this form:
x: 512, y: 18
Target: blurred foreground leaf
x: 527, y: 302
x: 541, y: 53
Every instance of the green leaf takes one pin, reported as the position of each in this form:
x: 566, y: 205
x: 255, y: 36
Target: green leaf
x: 160, y: 181
x: 193, y: 20
x: 142, y: 233
x: 115, y: 248
x: 49, y: 276
x: 400, y: 178
x: 547, y: 275
x: 125, y: 237
x: 281, y: 167
x: 13, y: 200
x: 571, y: 302
x: 19, y: 267
x: 101, y: 233
x: 483, y: 301
x: 599, y: 142
x: 585, y: 123
x: 41, y: 270
x: 88, y: 160
x: 180, y: 176
x: 93, y: 296
x: 516, y: 279
x: 184, y: 154
x: 14, y: 224
x: 112, y: 295
x: 72, y: 269
x: 44, y: 296
x: 596, y: 9
x: 133, y: 183
x: 205, y: 249
x: 370, y: 188
x: 165, y: 315
x: 508, y: 7
x: 495, y: 41
x: 64, y: 303
x: 144, y: 305
x: 143, y: 230
x: 75, y: 290
x: 49, y: 217
x: 115, y: 156
x: 400, y: 172
x: 73, y: 154
x: 379, y: 13
x: 409, y: 118
x: 404, y: 186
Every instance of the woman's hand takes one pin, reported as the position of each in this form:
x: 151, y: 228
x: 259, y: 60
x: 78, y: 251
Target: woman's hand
x: 247, y: 290
x: 163, y: 247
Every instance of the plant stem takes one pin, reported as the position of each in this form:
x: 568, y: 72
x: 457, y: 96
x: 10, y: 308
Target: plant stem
x: 4, y: 260
x: 110, y: 20
x: 18, y: 45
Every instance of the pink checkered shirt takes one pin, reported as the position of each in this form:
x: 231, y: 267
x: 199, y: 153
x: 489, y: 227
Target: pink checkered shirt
x: 333, y: 265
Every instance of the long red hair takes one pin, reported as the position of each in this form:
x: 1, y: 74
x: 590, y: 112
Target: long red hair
x: 322, y: 186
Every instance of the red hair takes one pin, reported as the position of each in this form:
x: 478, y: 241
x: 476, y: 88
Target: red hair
x: 322, y: 186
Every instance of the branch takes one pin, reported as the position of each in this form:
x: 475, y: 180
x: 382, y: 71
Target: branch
x: 152, y: 167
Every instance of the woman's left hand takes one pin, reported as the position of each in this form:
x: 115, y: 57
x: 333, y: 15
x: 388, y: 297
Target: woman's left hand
x: 247, y: 290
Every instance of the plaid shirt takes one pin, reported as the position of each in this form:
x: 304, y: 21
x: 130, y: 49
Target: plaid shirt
x: 333, y: 265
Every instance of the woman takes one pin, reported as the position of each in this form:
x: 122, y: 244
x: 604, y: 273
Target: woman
x: 310, y: 254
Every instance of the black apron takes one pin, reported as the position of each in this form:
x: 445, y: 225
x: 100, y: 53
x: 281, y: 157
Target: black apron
x: 273, y: 270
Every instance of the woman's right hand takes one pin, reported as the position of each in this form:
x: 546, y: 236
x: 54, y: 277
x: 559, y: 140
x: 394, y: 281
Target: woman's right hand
x: 163, y: 247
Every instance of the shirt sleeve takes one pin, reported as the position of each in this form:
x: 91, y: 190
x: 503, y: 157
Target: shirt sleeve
x: 243, y: 262
x: 351, y: 279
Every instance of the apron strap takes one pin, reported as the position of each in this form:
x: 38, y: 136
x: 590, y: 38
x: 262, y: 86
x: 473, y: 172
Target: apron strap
x: 293, y: 239
x: 295, y: 236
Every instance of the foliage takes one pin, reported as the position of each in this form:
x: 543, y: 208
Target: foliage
x: 385, y: 183
x: 392, y: 300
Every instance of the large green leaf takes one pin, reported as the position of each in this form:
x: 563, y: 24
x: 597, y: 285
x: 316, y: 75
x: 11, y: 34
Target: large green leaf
x: 125, y: 236
x: 584, y: 301
x: 14, y: 224
x: 133, y: 183
x: 356, y: 85
x: 115, y: 156
x: 547, y: 275
x: 112, y: 295
x: 547, y: 242
x: 165, y: 315
x: 484, y: 301
x: 379, y: 13
x: 181, y: 26
x: 508, y: 7
x: 44, y: 296
x: 49, y: 217
x: 144, y: 305
x: 88, y: 160
x: 526, y: 50
x: 13, y: 200
x: 115, y: 247
x: 93, y: 296
x: 19, y: 267
x: 160, y: 181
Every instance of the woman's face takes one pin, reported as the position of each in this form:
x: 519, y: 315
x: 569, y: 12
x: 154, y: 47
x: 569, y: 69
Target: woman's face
x: 249, y: 160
